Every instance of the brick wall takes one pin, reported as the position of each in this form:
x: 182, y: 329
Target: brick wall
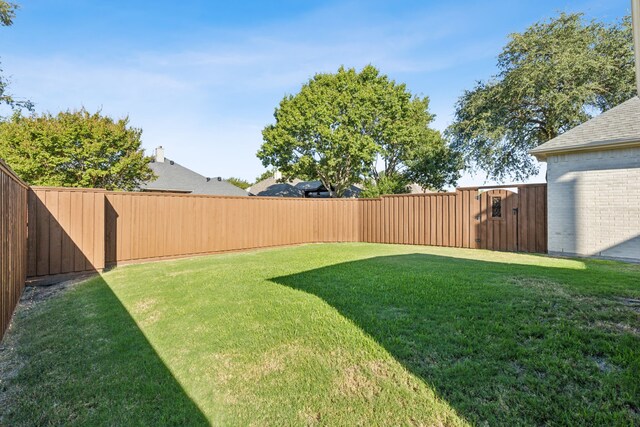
x: 594, y: 203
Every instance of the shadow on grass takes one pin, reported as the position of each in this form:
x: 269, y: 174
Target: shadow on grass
x: 506, y: 344
x: 81, y: 359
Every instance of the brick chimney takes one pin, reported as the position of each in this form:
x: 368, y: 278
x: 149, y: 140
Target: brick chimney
x: 159, y: 154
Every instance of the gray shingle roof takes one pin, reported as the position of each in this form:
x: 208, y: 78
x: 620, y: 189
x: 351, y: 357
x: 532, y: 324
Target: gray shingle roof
x: 418, y: 189
x: 270, y: 187
x: 175, y: 177
x: 619, y: 125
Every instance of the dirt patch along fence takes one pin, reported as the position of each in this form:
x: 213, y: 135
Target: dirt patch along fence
x: 81, y: 230
x: 13, y: 242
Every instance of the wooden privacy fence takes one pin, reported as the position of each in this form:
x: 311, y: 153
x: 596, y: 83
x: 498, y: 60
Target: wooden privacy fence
x: 66, y: 231
x: 76, y: 230
x: 13, y: 242
x: 464, y: 219
x: 47, y: 232
x: 142, y: 226
x: 80, y: 230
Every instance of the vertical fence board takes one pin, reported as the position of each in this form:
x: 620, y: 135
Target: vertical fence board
x: 88, y: 236
x: 32, y: 250
x: 55, y: 239
x: 76, y: 232
x: 541, y: 215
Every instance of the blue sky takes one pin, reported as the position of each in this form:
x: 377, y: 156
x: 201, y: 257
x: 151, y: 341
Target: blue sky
x: 202, y: 78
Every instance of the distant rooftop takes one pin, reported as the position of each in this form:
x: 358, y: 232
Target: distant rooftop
x: 270, y: 187
x: 173, y: 177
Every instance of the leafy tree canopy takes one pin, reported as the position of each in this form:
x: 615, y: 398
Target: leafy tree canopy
x: 239, y: 182
x: 433, y: 166
x: 552, y: 77
x: 264, y: 175
x: 392, y: 184
x: 74, y: 149
x: 339, y: 125
x: 7, y: 12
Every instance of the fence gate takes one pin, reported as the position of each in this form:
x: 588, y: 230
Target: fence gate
x: 499, y: 220
x: 511, y: 219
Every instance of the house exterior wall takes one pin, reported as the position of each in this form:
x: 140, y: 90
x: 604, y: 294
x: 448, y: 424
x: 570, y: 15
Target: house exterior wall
x: 594, y: 203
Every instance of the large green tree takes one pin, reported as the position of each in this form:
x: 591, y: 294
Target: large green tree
x: 323, y: 132
x: 341, y: 126
x: 409, y: 151
x: 264, y: 175
x: 74, y: 149
x: 553, y: 76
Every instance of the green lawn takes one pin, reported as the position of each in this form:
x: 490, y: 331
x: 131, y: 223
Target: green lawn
x: 337, y: 334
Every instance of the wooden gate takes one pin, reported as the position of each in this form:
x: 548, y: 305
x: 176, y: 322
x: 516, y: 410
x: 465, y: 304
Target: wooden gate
x: 514, y: 221
x: 499, y: 220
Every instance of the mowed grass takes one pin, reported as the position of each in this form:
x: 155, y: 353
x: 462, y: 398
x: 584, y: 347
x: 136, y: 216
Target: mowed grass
x: 336, y: 334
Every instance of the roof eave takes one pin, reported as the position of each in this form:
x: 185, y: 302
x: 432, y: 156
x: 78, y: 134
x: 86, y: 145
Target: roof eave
x: 542, y: 155
x: 163, y: 190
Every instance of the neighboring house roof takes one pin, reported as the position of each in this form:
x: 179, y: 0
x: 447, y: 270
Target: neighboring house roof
x: 353, y: 191
x: 417, y: 189
x: 173, y: 177
x: 270, y: 187
x: 615, y: 128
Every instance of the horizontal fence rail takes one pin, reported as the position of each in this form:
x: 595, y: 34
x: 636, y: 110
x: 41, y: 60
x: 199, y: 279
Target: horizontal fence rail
x: 81, y: 230
x: 13, y: 242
